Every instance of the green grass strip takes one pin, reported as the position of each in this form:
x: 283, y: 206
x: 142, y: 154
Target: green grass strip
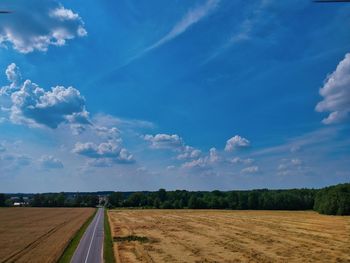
x: 108, y: 252
x: 74, y: 242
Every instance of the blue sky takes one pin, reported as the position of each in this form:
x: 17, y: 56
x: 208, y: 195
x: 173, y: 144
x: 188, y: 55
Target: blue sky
x: 197, y: 95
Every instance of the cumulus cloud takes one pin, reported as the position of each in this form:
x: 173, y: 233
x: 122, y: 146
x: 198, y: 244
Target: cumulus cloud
x: 336, y: 93
x: 198, y: 163
x: 189, y: 152
x: 236, y: 142
x: 50, y: 162
x: 238, y: 160
x: 108, y: 133
x: 37, y: 24
x: 89, y: 149
x: 32, y: 105
x: 250, y: 170
x: 164, y: 141
x: 175, y: 143
x: 213, y: 155
x: 13, y: 74
x: 110, y: 152
x: 205, y: 162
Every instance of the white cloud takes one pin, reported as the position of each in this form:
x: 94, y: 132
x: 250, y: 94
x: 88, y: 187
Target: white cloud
x: 236, y: 142
x: 164, y: 141
x: 109, y: 132
x: 102, y: 150
x: 198, y: 163
x: 37, y: 24
x: 238, y: 160
x: 205, y: 162
x: 50, y: 162
x: 13, y: 74
x: 189, y: 152
x: 110, y: 152
x: 336, y: 93
x: 213, y: 155
x: 250, y: 170
x: 192, y: 17
x: 31, y: 105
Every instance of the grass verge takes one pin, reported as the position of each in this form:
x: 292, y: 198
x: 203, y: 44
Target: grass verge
x: 108, y: 252
x: 74, y: 242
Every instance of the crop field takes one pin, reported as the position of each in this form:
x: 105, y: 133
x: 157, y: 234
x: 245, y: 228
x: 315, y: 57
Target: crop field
x: 38, y: 234
x: 229, y: 236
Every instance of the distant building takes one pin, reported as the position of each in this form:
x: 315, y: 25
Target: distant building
x: 18, y: 204
x: 102, y: 199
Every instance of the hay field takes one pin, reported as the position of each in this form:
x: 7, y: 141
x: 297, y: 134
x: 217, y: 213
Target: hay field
x: 38, y: 234
x: 229, y: 236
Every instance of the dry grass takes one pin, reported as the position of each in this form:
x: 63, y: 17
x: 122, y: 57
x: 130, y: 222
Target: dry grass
x: 229, y: 236
x: 38, y: 234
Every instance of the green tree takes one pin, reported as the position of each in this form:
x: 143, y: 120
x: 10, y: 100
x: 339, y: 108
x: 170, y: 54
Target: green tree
x: 2, y: 199
x: 115, y: 199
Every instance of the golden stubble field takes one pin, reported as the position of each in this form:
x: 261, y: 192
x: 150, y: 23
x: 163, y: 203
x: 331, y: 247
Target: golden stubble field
x: 229, y: 236
x: 38, y: 234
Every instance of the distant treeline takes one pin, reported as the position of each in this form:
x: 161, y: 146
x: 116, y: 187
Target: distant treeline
x: 296, y: 199
x: 52, y: 200
x: 333, y: 200
x: 62, y: 200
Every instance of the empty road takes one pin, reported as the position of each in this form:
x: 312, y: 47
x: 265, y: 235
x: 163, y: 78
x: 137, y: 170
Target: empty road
x: 90, y: 247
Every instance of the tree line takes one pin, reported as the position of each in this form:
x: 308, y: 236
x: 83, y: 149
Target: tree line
x: 53, y: 200
x: 333, y: 200
x: 296, y: 199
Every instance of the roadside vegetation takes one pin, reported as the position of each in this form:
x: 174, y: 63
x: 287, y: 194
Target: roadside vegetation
x: 74, y: 242
x: 108, y: 252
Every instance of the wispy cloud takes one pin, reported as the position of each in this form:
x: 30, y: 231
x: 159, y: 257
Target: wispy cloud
x: 192, y: 17
x: 297, y: 143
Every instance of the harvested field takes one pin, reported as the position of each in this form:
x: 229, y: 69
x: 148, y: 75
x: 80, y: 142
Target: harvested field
x: 38, y: 234
x: 229, y: 236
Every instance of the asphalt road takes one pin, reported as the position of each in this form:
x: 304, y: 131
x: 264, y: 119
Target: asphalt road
x: 90, y: 248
